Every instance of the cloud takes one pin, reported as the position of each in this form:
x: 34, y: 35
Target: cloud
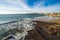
x: 51, y: 8
x: 21, y: 7
x: 13, y: 6
x: 40, y: 7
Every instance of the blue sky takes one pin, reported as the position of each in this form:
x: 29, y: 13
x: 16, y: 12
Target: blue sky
x: 47, y: 2
x: 29, y: 6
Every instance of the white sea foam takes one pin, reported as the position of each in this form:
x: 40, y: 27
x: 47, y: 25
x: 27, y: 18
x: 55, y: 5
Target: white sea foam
x: 24, y: 25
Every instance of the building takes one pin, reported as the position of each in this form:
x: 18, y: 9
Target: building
x: 53, y: 14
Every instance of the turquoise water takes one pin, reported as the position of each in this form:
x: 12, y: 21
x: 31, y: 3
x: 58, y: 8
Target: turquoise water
x: 12, y: 17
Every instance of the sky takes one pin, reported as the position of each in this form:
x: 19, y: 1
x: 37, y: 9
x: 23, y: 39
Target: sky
x: 29, y: 6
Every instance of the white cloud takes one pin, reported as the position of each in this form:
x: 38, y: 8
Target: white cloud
x: 40, y: 8
x: 17, y: 6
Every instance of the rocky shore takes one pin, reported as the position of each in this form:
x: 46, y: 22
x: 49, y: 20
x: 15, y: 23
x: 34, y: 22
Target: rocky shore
x: 31, y: 30
x: 41, y: 32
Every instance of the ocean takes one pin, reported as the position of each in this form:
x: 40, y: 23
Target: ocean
x: 4, y: 18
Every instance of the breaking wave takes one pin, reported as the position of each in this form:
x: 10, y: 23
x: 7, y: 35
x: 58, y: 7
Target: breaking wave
x: 22, y: 25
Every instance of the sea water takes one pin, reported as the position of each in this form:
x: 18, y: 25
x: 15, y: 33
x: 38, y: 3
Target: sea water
x: 13, y: 17
x: 9, y: 20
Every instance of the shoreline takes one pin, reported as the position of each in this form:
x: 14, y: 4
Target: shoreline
x: 41, y: 32
x: 40, y: 29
